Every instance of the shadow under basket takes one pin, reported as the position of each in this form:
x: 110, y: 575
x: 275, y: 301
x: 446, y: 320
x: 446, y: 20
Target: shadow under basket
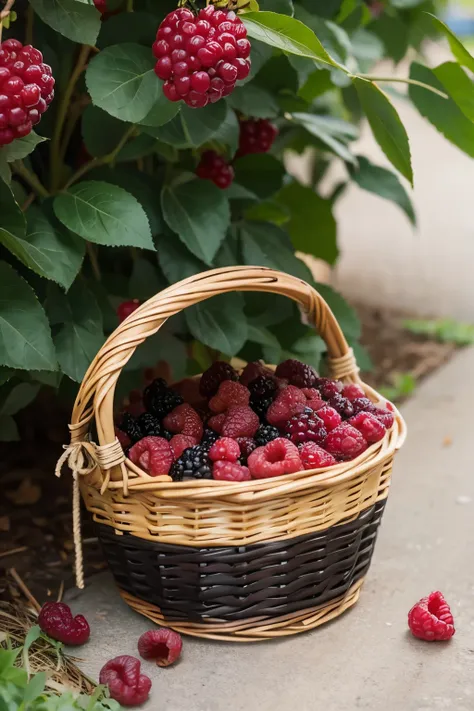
x: 239, y: 561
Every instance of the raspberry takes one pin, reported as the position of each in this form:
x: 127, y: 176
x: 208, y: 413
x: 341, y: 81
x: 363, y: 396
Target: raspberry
x: 345, y: 442
x: 126, y: 684
x: 123, y: 438
x: 252, y: 371
x: 362, y: 404
x: 26, y: 89
x: 209, y: 437
x: 247, y: 445
x: 200, y: 57
x: 184, y: 420
x: 265, y: 434
x: 230, y: 471
x: 313, y: 398
x: 57, y: 621
x: 328, y: 387
x: 330, y: 417
x: 280, y: 456
x: 431, y: 619
x: 101, y: 6
x: 192, y: 464
x: 240, y: 421
x: 217, y: 422
x: 306, y: 427
x: 162, y: 645
x: 160, y: 400
x: 386, y: 417
x: 369, y: 426
x: 126, y: 308
x: 229, y: 393
x: 153, y: 454
x: 315, y: 457
x: 290, y: 401
x: 352, y: 391
x: 225, y: 448
x: 342, y: 405
x: 130, y: 426
x: 256, y: 135
x: 213, y: 377
x: 297, y: 373
x: 188, y: 388
x: 180, y: 442
x: 213, y: 167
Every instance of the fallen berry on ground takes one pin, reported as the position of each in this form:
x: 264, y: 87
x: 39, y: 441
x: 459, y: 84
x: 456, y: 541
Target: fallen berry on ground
x: 214, y: 376
x: 230, y: 471
x: 431, y: 619
x: 125, y: 683
x: 161, y: 645
x: 57, y: 621
x: 280, y: 456
x: 315, y: 457
x: 226, y: 449
x: 153, y: 454
x: 345, y: 442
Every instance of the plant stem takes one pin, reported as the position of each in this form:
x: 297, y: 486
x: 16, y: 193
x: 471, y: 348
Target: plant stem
x: 55, y: 153
x: 4, y: 14
x: 29, y: 200
x: 91, y: 253
x: 30, y: 177
x: 29, y: 25
x: 129, y: 6
x: 401, y: 80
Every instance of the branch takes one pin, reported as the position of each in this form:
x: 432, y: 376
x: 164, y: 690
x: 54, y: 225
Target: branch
x: 31, y: 178
x: 104, y: 160
x: 401, y: 80
x: 4, y: 14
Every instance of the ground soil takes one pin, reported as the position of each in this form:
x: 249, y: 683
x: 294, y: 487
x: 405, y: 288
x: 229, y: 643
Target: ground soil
x: 35, y: 509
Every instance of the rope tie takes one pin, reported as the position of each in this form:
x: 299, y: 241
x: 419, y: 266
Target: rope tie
x: 344, y: 366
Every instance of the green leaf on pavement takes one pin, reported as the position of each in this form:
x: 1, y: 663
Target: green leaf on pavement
x: 219, y: 323
x: 21, y: 147
x: 312, y: 226
x: 121, y: 81
x: 191, y: 128
x: 266, y: 245
x: 463, y: 56
x: 199, y: 214
x: 105, y: 214
x: 384, y: 183
x: 78, y: 21
x: 388, y: 130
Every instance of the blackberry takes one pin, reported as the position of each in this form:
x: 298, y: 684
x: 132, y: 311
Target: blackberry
x: 247, y: 445
x: 263, y: 388
x: 208, y: 438
x: 342, y: 405
x: 192, y: 464
x: 260, y: 407
x: 265, y: 434
x: 130, y: 426
x: 159, y: 400
x: 149, y: 425
x: 214, y: 376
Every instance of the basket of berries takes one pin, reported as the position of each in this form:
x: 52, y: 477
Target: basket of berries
x: 242, y: 504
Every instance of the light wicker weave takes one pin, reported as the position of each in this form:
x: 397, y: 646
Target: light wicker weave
x: 206, y: 515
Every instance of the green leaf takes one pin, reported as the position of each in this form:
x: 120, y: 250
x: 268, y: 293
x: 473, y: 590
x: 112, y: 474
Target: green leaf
x: 446, y: 330
x: 254, y: 101
x: 345, y: 314
x: 284, y: 7
x: 105, y: 214
x: 191, y: 128
x: 388, y: 130
x: 18, y: 398
x: 175, y: 260
x: 21, y: 147
x: 317, y: 83
x: 457, y: 48
x: 444, y: 114
x: 264, y: 337
x: 5, y: 172
x: 161, y: 346
x: 121, y: 80
x: 35, y: 688
x: 12, y: 225
x: 266, y: 245
x: 229, y: 131
x: 25, y: 337
x: 145, y: 280
x: 79, y: 322
x: 458, y: 85
x: 78, y: 21
x: 33, y: 634
x: 286, y: 33
x: 137, y: 27
x: 312, y: 226
x: 332, y: 132
x: 219, y: 323
x: 8, y: 429
x: 261, y: 174
x: 199, y: 214
x: 268, y: 211
x: 394, y: 34
x: 101, y: 132
x: 384, y: 183
x: 162, y: 111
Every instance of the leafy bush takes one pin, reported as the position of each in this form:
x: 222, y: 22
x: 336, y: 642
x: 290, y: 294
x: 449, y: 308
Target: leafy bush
x: 103, y: 204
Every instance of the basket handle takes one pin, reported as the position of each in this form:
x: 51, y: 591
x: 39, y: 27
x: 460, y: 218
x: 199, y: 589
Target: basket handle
x: 96, y: 394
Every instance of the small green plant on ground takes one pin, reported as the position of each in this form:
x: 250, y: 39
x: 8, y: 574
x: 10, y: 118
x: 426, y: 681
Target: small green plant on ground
x: 122, y: 188
x: 446, y: 330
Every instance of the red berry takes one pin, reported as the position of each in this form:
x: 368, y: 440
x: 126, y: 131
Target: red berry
x: 230, y: 471
x: 290, y: 401
x: 213, y: 167
x: 214, y: 376
x: 352, y: 391
x: 180, y: 442
x: 256, y: 135
x: 280, y: 456
x: 297, y: 373
x: 313, y: 398
x: 305, y: 427
x: 217, y: 422
x: 369, y: 426
x: 328, y: 387
x: 240, y: 421
x: 253, y: 371
x: 101, y: 6
x: 431, y: 619
x: 226, y: 449
x: 153, y: 454
x: 247, y: 445
x: 126, y: 308
x: 161, y: 645
x: 123, y: 438
x: 315, y: 457
x: 386, y: 417
x: 57, y: 621
x: 214, y: 42
x: 362, y: 404
x: 330, y: 417
x: 345, y: 442
x: 184, y: 420
x: 230, y: 393
x: 342, y: 405
x: 126, y: 684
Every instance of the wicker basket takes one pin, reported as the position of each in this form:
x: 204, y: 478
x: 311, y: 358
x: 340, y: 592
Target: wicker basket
x: 240, y: 561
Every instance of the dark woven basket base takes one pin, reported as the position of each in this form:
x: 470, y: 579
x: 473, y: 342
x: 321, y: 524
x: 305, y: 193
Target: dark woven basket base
x: 238, y: 583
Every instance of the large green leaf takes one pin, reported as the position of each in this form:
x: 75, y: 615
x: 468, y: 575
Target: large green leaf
x: 101, y: 132
x: 457, y: 48
x: 104, y: 213
x: 345, y: 314
x: 121, y: 80
x: 139, y: 27
x: 312, y: 226
x: 145, y: 280
x: 162, y: 111
x: 176, y: 261
x: 78, y: 320
x: 12, y: 223
x: 21, y: 147
x: 458, y: 85
x: 219, y: 323
x: 25, y: 337
x: 261, y: 174
x: 388, y: 130
x: 191, y: 128
x: 394, y: 34
x: 199, y: 214
x: 284, y: 7
x: 229, y: 131
x: 332, y: 132
x: 286, y: 33
x: 384, y: 183
x: 18, y: 398
x: 444, y: 114
x: 253, y: 100
x: 266, y: 245
x: 78, y: 21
